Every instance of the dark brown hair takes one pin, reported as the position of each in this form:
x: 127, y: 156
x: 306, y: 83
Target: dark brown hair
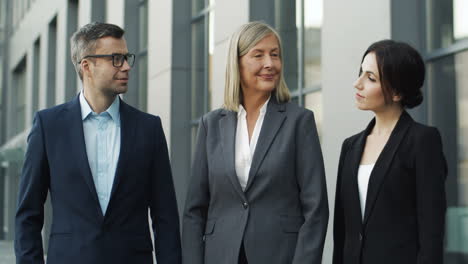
x: 401, y: 70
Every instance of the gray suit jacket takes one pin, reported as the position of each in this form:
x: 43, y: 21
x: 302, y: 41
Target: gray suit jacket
x: 282, y: 215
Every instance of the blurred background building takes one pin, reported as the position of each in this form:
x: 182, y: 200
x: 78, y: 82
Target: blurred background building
x: 181, y: 48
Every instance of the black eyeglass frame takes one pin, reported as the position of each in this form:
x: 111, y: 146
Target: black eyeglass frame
x: 114, y: 56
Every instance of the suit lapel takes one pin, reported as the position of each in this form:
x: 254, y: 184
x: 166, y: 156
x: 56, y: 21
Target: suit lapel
x: 384, y: 161
x: 227, y: 128
x: 78, y: 147
x: 355, y: 159
x: 127, y: 132
x: 272, y: 122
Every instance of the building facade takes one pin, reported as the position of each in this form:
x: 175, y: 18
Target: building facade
x: 181, y: 48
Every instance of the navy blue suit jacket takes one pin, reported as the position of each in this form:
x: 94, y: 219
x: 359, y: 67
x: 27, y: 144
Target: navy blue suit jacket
x: 56, y: 161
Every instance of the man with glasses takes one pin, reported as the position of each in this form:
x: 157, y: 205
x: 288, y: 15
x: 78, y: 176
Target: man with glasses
x: 105, y: 165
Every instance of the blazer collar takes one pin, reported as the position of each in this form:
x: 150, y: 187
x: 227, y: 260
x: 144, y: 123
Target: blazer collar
x: 274, y: 117
x: 113, y: 109
x: 227, y: 128
x: 127, y: 128
x: 383, y: 161
x: 128, y: 124
x: 78, y: 148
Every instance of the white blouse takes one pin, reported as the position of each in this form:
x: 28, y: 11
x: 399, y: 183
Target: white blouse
x: 364, y: 173
x: 245, y: 150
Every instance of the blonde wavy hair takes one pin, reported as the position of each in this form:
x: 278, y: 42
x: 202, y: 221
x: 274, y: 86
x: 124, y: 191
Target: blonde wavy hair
x: 243, y: 40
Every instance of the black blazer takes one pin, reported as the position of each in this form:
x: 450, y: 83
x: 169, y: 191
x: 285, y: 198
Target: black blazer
x: 56, y: 162
x: 405, y: 205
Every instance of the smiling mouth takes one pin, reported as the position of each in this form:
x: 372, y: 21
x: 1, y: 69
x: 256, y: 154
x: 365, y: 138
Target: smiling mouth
x: 268, y: 77
x: 359, y: 96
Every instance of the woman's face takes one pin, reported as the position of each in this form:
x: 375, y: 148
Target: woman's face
x: 369, y: 95
x: 260, y: 68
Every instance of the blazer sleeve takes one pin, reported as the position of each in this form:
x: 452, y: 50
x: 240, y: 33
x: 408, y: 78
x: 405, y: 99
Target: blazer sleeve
x: 196, y: 205
x: 313, y: 192
x: 431, y: 171
x: 163, y: 204
x: 34, y: 184
x: 338, y: 220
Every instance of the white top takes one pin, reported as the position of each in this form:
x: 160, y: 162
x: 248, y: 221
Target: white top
x: 364, y: 173
x: 244, y: 149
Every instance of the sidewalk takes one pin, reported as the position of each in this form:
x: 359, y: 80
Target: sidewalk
x: 7, y: 256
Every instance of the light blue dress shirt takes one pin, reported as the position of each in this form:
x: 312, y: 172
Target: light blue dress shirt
x: 102, y: 139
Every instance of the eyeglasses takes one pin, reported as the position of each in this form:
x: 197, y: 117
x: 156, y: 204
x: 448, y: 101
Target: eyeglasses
x: 117, y: 58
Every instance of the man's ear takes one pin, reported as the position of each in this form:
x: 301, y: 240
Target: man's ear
x: 85, y: 67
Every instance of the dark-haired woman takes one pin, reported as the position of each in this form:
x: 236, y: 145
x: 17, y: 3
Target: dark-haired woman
x: 390, y: 196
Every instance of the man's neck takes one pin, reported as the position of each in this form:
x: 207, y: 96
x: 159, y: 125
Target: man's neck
x: 97, y: 101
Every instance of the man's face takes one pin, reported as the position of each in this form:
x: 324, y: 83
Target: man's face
x: 103, y: 76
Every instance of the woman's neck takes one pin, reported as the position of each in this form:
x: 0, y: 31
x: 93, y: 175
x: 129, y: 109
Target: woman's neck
x: 385, y: 121
x: 253, y: 102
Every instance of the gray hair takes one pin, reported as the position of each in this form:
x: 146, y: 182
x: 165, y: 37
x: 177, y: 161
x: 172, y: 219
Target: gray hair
x: 243, y: 40
x: 83, y: 42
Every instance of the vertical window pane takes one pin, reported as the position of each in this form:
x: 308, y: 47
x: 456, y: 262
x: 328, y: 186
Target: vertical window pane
x: 36, y: 61
x: 19, y: 92
x: 285, y: 23
x: 446, y: 22
x: 197, y: 6
x: 1, y: 86
x: 143, y: 82
x: 51, y: 62
x: 313, y: 101
x: 312, y: 38
x: 143, y: 42
x: 198, y: 75
x: 143, y: 55
x: 461, y: 69
x: 448, y: 100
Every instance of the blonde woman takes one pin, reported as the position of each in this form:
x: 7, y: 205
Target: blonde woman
x: 257, y: 192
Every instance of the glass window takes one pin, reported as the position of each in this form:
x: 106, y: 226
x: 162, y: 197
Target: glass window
x: 447, y: 95
x: 142, y: 61
x: 36, y: 68
x: 199, y: 69
x: 446, y: 23
x: 312, y: 38
x: 299, y: 24
x: 19, y: 97
x: 198, y: 6
x: 52, y: 55
x: 201, y: 61
x: 448, y: 105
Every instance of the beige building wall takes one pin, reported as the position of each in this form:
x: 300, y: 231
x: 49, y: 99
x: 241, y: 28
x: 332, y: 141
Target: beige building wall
x: 349, y: 27
x: 160, y: 62
x: 228, y: 17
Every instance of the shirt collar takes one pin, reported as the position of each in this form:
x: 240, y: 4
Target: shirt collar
x: 113, y: 109
x: 262, y: 109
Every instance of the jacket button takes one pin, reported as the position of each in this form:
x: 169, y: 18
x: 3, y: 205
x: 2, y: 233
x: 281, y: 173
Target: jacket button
x: 360, y: 237
x: 245, y: 205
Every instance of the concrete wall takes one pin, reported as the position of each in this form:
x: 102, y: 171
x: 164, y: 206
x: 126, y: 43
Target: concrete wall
x: 349, y: 27
x: 160, y: 62
x: 228, y: 17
